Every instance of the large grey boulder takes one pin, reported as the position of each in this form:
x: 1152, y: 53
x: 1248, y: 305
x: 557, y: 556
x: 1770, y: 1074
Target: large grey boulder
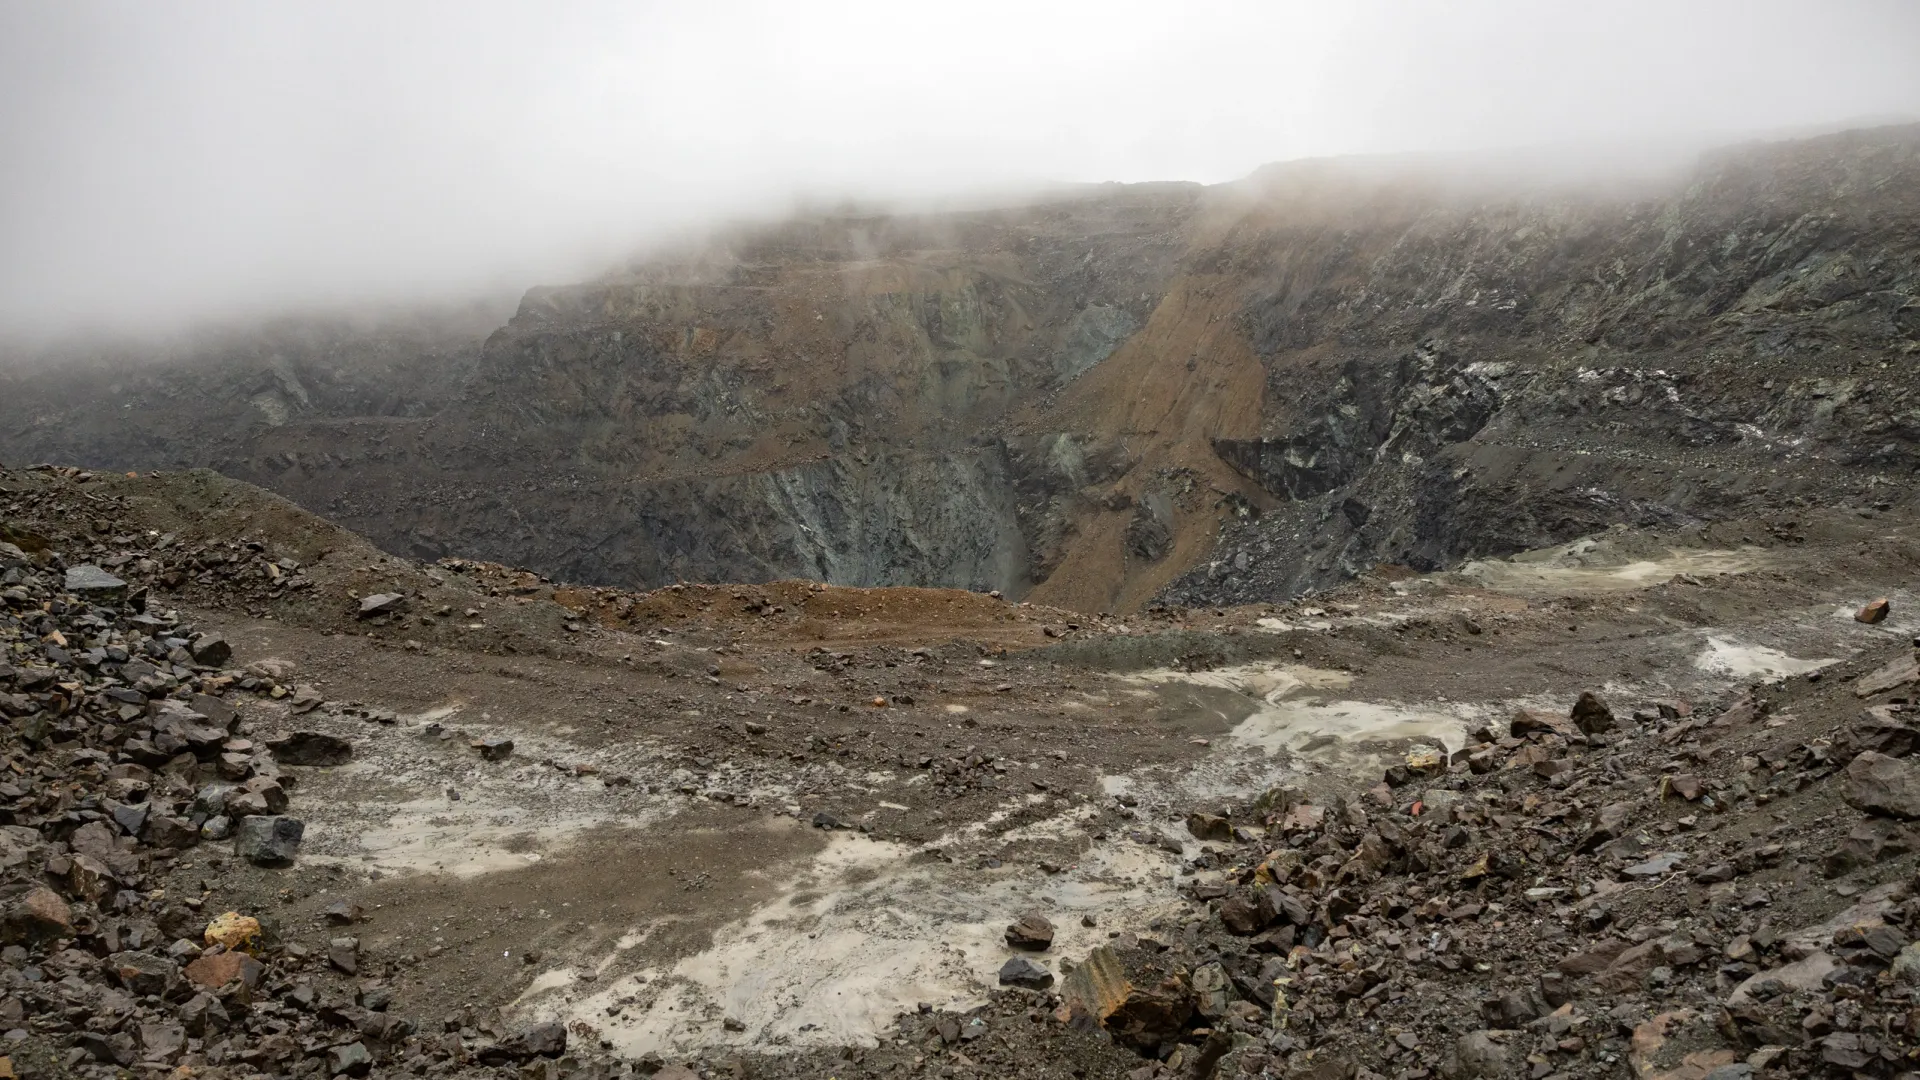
x: 1877, y: 784
x: 268, y: 840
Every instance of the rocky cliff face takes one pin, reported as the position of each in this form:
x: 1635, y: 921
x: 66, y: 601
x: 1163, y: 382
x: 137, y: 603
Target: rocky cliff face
x: 1217, y: 395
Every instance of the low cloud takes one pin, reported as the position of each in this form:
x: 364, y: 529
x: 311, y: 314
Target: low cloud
x: 171, y: 163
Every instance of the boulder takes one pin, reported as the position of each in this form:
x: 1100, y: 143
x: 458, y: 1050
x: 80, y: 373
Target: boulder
x: 1153, y: 1014
x: 93, y: 584
x: 1591, y: 715
x: 310, y: 748
x: 1031, y: 931
x: 1890, y: 676
x: 1877, y: 784
x: 268, y: 840
x: 382, y: 604
x: 1020, y: 971
x: 40, y: 915
x: 215, y: 970
x: 143, y: 973
x: 1210, y: 827
x: 211, y: 650
x: 499, y: 748
x: 548, y: 1039
x: 349, y: 1060
x: 231, y: 930
x: 1475, y: 1056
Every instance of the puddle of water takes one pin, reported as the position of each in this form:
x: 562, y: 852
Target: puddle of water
x: 833, y: 963
x: 1281, y: 626
x: 1586, y: 567
x: 1294, y: 716
x: 426, y: 836
x: 1723, y: 657
x: 547, y: 980
x: 1320, y: 729
x: 424, y: 805
x: 1267, y: 682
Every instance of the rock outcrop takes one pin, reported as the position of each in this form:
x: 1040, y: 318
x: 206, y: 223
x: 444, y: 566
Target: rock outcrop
x: 1207, y: 394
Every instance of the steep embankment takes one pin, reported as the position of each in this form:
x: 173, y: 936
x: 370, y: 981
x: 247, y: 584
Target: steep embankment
x: 1212, y: 394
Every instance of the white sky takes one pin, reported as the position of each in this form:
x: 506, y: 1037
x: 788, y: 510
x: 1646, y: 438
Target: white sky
x: 162, y: 162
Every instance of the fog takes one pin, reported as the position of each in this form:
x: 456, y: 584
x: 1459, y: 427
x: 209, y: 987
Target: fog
x: 163, y: 163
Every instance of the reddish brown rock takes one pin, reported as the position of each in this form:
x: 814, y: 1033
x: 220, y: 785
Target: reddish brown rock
x: 216, y: 970
x: 41, y: 915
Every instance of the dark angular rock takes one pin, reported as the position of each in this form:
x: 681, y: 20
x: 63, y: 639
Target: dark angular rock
x: 143, y: 973
x: 1020, y: 971
x: 260, y: 794
x: 216, y: 970
x: 1847, y: 1049
x: 547, y: 1039
x: 1591, y: 715
x: 1246, y: 912
x: 211, y: 650
x: 344, y: 954
x: 117, y: 1049
x: 1687, y: 786
x: 131, y: 817
x: 1153, y: 1014
x: 92, y: 583
x: 382, y: 604
x: 310, y: 748
x: 1031, y: 931
x: 499, y: 748
x: 1210, y: 827
x: 1475, y: 1056
x: 1513, y: 1009
x: 1867, y: 843
x: 352, y: 1059
x: 1896, y: 673
x: 203, y: 1014
x: 162, y: 1041
x: 268, y: 841
x: 170, y: 832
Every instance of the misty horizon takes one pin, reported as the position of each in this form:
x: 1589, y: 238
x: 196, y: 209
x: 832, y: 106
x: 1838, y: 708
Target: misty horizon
x: 171, y: 166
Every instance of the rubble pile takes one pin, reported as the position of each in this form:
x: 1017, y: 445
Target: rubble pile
x: 127, y: 742
x: 1676, y: 893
